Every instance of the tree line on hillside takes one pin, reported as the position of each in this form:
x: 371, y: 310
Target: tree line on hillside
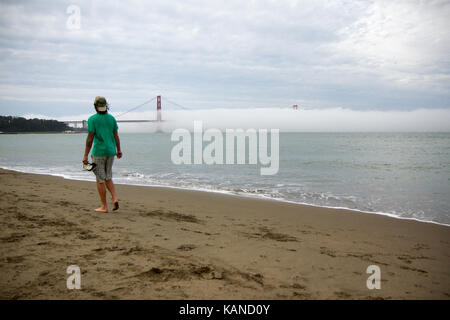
x: 19, y: 124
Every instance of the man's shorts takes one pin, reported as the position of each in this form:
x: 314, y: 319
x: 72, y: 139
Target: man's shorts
x: 103, y: 170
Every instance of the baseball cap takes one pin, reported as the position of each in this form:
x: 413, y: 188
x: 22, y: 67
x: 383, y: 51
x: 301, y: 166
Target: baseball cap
x: 100, y: 103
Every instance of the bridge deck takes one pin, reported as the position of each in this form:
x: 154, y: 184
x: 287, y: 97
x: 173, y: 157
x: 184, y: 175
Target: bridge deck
x: 75, y: 123
x: 81, y: 121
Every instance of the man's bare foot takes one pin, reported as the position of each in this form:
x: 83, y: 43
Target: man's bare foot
x: 101, y: 209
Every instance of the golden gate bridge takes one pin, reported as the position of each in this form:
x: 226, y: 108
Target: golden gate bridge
x: 83, y: 123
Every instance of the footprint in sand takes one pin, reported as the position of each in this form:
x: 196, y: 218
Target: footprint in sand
x: 187, y: 247
x: 328, y: 252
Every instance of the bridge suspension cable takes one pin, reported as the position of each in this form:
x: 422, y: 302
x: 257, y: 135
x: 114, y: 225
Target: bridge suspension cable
x: 175, y: 104
x: 137, y: 107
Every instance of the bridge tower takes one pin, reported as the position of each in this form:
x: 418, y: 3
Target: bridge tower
x: 158, y: 108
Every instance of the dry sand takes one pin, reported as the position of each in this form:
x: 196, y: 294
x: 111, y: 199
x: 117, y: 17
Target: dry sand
x: 177, y: 244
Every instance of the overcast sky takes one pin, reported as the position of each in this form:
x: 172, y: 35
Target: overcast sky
x: 360, y: 55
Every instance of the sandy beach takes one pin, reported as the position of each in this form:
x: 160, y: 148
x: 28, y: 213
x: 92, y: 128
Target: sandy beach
x: 166, y: 243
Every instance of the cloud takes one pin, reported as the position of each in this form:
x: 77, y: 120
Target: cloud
x: 289, y: 120
x: 403, y: 42
x: 205, y: 54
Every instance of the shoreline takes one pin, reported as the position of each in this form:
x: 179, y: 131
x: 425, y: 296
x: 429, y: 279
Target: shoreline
x: 245, y: 195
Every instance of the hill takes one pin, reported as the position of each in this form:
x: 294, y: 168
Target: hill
x: 19, y: 124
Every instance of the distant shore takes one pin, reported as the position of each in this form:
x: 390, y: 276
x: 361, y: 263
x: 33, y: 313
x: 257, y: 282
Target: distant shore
x: 44, y: 132
x: 167, y: 243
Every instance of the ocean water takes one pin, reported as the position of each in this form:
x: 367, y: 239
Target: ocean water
x: 404, y: 175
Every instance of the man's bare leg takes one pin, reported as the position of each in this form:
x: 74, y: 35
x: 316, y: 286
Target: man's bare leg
x: 112, y: 190
x: 102, y: 193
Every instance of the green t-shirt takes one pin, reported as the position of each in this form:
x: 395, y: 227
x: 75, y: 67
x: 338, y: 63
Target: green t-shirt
x: 103, y: 127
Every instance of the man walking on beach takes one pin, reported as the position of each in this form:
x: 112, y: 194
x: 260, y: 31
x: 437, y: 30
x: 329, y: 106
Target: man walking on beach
x: 102, y: 129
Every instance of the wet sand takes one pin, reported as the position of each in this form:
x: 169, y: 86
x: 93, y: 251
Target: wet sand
x: 168, y: 243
